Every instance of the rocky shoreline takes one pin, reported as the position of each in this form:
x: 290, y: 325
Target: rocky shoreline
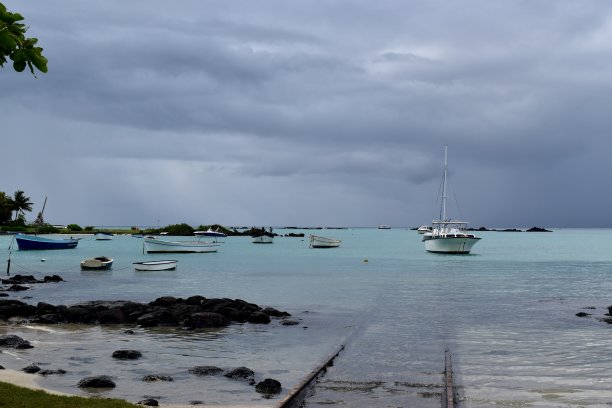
x: 195, y: 312
x: 192, y: 313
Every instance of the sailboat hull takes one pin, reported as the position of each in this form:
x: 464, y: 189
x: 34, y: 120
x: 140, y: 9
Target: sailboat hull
x: 449, y: 245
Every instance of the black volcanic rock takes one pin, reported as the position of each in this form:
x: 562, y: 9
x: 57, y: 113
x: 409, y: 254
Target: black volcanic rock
x: 268, y: 386
x: 20, y: 279
x: 100, y: 381
x: 270, y: 311
x: 30, y: 279
x: 193, y: 313
x: 31, y: 369
x: 206, y: 370
x: 51, y: 372
x: 150, y: 402
x: 12, y: 341
x: 156, y: 377
x: 204, y: 320
x: 537, y: 229
x: 240, y: 373
x: 258, y: 317
x: 157, y: 317
x: 17, y: 288
x: 15, y: 308
x: 289, y: 322
x: 127, y: 354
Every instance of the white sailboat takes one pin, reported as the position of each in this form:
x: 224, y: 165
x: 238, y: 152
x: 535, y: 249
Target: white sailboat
x: 448, y: 236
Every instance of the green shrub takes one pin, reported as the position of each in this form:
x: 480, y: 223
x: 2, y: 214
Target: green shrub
x: 89, y: 228
x: 74, y: 227
x: 48, y: 229
x: 179, y: 229
x: 16, y: 228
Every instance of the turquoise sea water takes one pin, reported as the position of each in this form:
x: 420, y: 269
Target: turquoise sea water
x: 506, y: 312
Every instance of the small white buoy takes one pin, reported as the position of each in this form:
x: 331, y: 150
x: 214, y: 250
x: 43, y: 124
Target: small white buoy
x: 42, y: 260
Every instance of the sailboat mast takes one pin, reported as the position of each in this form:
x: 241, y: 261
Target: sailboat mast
x: 444, y: 184
x: 39, y: 219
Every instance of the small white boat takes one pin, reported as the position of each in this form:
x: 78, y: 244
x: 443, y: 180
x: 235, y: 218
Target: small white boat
x: 103, y: 236
x: 448, y: 236
x: 317, y: 241
x: 263, y: 237
x: 384, y: 226
x: 162, y: 265
x: 100, y: 262
x: 211, y: 233
x: 423, y: 229
x: 154, y: 245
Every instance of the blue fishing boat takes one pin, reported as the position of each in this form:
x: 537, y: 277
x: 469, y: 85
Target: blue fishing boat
x: 34, y: 242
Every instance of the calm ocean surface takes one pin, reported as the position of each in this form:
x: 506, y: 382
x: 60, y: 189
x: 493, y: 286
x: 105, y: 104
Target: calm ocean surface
x: 506, y: 312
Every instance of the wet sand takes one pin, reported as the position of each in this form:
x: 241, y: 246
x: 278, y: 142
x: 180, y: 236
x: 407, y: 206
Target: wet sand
x: 24, y: 380
x: 28, y: 381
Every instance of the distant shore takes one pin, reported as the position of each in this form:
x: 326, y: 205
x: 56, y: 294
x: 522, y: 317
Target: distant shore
x: 229, y: 231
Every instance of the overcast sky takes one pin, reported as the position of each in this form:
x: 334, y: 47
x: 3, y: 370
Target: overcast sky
x: 308, y: 113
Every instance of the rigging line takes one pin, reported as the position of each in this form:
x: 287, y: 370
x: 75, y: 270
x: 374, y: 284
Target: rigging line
x: 25, y: 269
x: 458, y: 207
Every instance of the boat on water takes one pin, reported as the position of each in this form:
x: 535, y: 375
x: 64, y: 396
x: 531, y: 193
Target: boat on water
x: 98, y: 263
x: 211, y: 233
x: 36, y: 242
x: 424, y: 228
x: 317, y: 241
x: 103, y: 236
x: 161, y: 265
x: 261, y: 236
x: 448, y: 236
x: 155, y: 245
x: 384, y: 226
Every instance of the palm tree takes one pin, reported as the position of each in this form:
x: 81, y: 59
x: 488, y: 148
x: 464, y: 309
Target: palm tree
x: 6, y: 208
x: 21, y: 203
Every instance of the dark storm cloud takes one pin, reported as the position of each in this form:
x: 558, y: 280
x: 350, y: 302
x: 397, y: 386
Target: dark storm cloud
x: 350, y: 102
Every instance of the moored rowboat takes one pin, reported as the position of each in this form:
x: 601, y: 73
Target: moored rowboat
x: 317, y: 241
x: 162, y: 265
x: 154, y: 245
x: 100, y: 262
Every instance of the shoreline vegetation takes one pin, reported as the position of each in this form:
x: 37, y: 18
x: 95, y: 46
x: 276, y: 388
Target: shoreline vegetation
x: 187, y: 230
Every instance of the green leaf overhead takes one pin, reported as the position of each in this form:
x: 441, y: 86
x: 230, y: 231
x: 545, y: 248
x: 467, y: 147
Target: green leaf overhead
x: 15, y: 46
